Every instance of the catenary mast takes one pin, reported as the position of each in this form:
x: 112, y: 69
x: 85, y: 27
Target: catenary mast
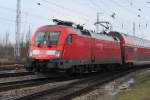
x: 18, y: 29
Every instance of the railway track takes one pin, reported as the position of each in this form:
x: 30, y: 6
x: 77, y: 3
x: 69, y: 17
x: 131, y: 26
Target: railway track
x: 12, y: 73
x: 11, y: 67
x: 27, y: 79
x: 34, y: 81
x: 71, y: 90
x: 26, y: 83
x: 64, y: 91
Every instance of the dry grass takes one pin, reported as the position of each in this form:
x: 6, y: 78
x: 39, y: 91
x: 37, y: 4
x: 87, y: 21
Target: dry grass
x: 141, y: 90
x: 6, y: 61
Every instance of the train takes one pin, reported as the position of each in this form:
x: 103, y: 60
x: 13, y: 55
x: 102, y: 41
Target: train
x: 70, y: 48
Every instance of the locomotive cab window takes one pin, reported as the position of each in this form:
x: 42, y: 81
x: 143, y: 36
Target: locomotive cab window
x: 49, y: 37
x: 69, y: 39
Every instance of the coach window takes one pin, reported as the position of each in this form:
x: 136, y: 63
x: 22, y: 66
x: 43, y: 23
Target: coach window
x: 69, y: 39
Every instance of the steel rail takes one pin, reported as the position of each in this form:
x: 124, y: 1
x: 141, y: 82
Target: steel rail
x: 27, y: 83
x: 14, y: 74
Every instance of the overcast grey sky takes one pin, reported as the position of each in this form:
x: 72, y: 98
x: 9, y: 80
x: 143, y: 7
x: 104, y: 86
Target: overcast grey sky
x: 78, y: 11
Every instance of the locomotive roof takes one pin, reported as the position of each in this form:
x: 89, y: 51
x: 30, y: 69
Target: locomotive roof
x: 55, y: 26
x: 95, y: 35
x: 84, y: 32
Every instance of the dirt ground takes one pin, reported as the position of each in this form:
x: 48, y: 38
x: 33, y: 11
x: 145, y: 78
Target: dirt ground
x: 8, y: 61
x: 134, y: 86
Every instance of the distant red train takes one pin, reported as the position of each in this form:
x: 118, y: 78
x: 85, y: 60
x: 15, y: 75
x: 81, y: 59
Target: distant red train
x: 63, y: 47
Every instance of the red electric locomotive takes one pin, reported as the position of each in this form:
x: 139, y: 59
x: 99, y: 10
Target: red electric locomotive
x: 67, y: 48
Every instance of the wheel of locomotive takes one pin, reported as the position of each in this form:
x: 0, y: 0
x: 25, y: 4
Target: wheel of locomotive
x: 118, y: 67
x: 29, y: 65
x: 111, y: 67
x: 130, y: 65
x: 71, y: 71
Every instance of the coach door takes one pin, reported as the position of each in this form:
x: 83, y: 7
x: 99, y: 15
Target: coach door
x: 68, y: 51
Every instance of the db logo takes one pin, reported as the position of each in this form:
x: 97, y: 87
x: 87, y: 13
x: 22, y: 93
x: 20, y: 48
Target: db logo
x: 42, y: 52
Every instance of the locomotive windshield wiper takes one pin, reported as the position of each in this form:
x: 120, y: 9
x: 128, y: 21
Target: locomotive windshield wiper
x: 39, y: 44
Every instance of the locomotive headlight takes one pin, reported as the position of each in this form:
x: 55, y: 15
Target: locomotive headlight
x: 57, y: 53
x: 53, y: 52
